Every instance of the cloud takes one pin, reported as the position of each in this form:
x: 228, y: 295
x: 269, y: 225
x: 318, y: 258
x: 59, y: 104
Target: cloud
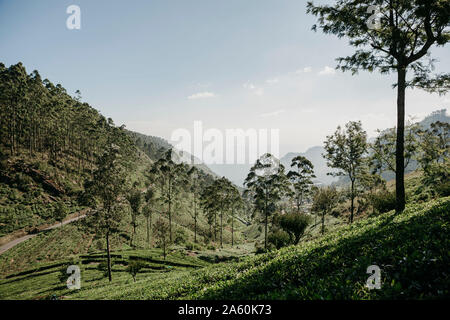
x: 272, y: 81
x: 327, y: 71
x: 201, y: 95
x: 272, y: 114
x: 257, y: 91
x: 304, y: 70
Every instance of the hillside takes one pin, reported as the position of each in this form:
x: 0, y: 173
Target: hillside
x: 410, y: 249
x: 47, y: 156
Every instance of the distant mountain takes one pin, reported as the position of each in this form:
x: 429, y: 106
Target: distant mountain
x: 313, y: 154
x: 155, y: 147
x: 234, y: 172
x: 238, y: 172
x: 438, y: 115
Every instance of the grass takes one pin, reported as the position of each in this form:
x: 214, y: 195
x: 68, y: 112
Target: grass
x: 412, y: 250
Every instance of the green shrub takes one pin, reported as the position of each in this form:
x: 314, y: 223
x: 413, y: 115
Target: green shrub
x: 293, y: 224
x: 437, y: 177
x: 134, y: 266
x: 180, y: 236
x: 259, y: 248
x: 279, y: 238
x: 383, y: 201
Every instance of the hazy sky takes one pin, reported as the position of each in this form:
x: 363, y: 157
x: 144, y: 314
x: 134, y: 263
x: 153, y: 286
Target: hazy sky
x: 159, y: 65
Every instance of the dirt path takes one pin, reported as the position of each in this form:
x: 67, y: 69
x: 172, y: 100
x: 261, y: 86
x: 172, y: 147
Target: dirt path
x: 15, y: 242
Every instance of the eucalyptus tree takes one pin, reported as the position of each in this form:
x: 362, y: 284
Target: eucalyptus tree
x: 301, y: 178
x: 383, y: 151
x: 172, y: 177
x: 135, y: 200
x: 209, y: 203
x: 236, y: 203
x: 228, y: 198
x: 148, y: 210
x: 266, y: 184
x: 108, y: 186
x: 345, y: 151
x: 323, y: 201
x: 223, y: 188
x: 195, y: 189
x: 399, y: 41
x: 162, y: 228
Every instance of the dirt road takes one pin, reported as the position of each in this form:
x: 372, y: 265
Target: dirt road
x: 15, y: 242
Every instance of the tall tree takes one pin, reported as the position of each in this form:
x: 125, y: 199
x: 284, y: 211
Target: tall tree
x: 135, y: 198
x: 108, y: 186
x: 301, y: 178
x: 148, y: 210
x: 344, y: 151
x: 400, y: 43
x: 323, y: 201
x: 383, y: 150
x: 162, y: 229
x: 266, y: 183
x: 171, y: 177
x: 195, y: 190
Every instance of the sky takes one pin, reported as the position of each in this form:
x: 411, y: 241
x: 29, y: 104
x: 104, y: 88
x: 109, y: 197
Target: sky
x: 159, y: 65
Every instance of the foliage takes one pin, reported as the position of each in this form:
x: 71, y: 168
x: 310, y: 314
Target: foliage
x: 323, y: 201
x: 134, y: 266
x: 161, y: 232
x: 266, y: 184
x: 383, y: 149
x: 399, y: 43
x: 135, y: 200
x: 294, y: 224
x: 279, y: 238
x: 345, y: 151
x: 301, y: 178
x: 383, y: 201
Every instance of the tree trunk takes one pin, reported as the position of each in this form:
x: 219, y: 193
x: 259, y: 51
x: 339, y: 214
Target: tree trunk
x: 215, y: 227
x: 400, y: 156
x: 265, y: 225
x: 195, y: 229
x: 232, y: 229
x: 148, y: 230
x: 108, y: 253
x: 352, y: 206
x: 221, y: 229
x: 170, y: 220
x: 195, y: 221
x: 323, y: 222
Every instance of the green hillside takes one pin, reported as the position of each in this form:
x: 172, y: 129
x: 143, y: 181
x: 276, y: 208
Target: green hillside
x: 411, y: 249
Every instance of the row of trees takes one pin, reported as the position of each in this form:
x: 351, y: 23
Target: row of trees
x: 37, y: 116
x: 350, y: 156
